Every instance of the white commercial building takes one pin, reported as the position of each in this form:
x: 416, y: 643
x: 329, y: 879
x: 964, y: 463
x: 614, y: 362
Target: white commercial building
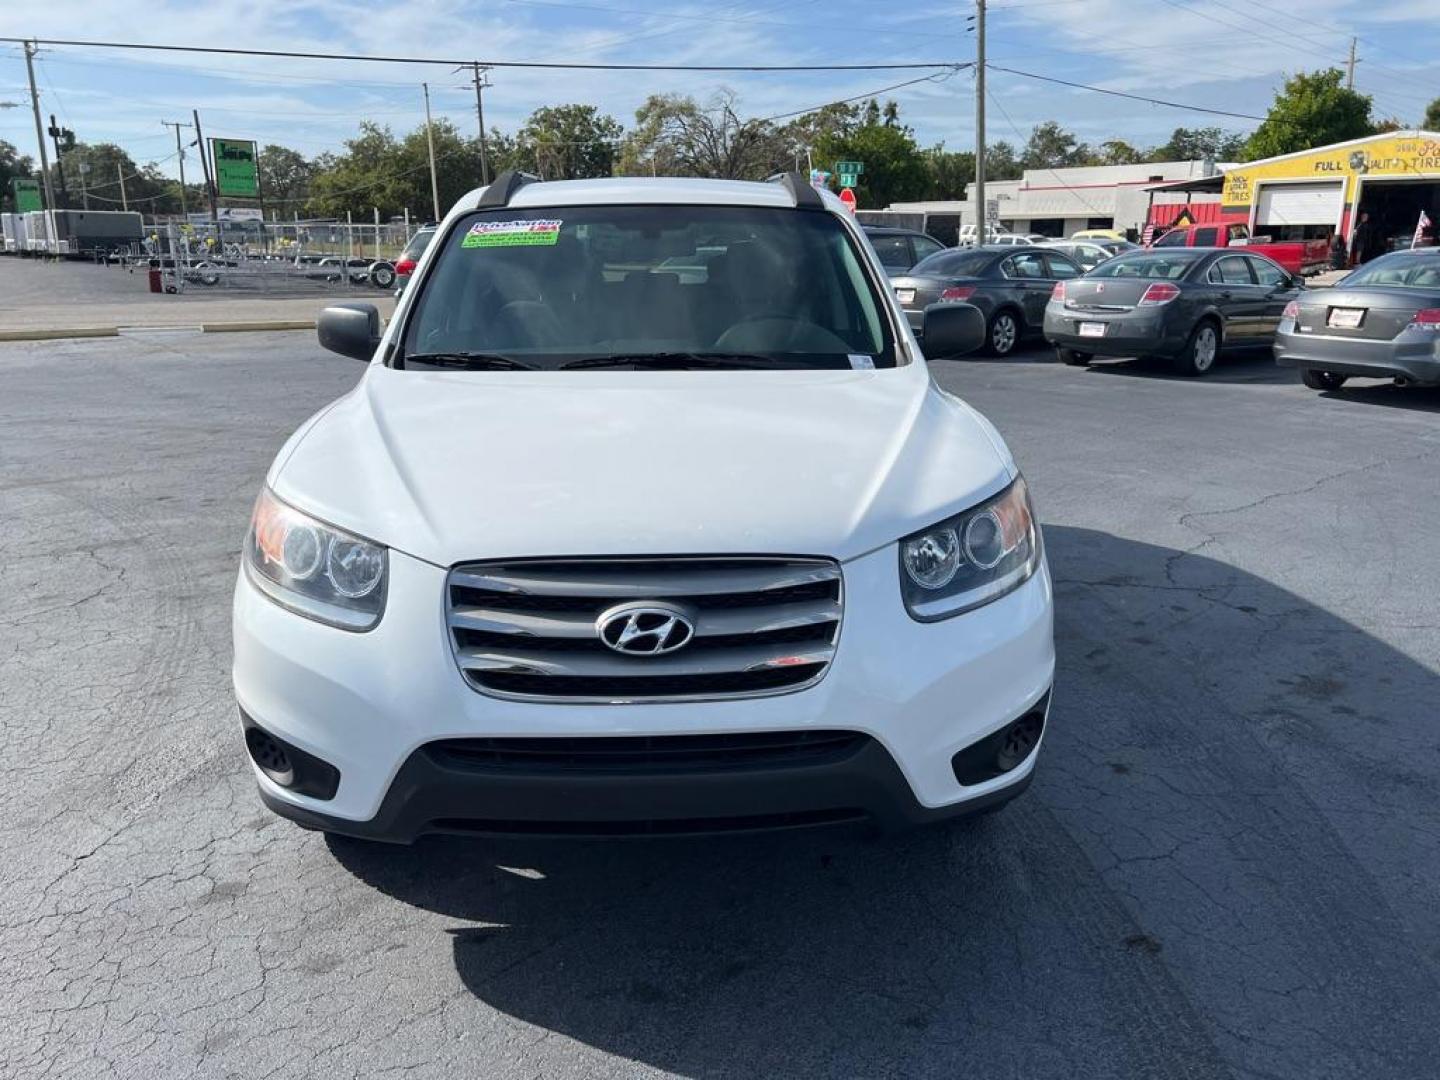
x: 1060, y: 202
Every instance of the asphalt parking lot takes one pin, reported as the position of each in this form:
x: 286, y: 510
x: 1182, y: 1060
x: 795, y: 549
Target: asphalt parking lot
x: 1227, y: 866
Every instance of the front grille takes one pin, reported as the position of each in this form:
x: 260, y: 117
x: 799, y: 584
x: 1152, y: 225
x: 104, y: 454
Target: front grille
x: 528, y: 629
x: 611, y: 754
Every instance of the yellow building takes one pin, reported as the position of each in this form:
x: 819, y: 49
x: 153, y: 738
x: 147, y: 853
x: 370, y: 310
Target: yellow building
x: 1390, y: 178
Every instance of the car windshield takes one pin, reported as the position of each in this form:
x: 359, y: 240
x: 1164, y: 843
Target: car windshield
x: 677, y: 286
x: 417, y: 245
x: 951, y: 263
x: 1148, y: 264
x: 1400, y: 270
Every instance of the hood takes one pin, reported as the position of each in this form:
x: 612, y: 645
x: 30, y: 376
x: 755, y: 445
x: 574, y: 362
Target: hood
x: 457, y: 466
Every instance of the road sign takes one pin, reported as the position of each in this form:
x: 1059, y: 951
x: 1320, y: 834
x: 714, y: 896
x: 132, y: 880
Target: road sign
x: 235, y: 168
x: 849, y: 172
x: 26, y: 193
x: 847, y: 196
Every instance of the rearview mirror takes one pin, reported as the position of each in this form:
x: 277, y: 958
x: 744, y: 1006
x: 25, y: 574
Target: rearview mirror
x: 350, y: 329
x: 952, y: 330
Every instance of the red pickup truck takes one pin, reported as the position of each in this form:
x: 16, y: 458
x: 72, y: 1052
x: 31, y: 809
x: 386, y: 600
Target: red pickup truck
x: 1296, y: 256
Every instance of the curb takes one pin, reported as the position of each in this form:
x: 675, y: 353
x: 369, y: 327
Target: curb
x: 67, y: 332
x: 115, y: 331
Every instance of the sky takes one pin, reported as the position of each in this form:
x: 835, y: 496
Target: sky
x: 1222, y: 54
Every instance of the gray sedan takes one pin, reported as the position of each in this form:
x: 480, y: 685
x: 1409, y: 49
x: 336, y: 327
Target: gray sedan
x: 1010, y: 285
x: 1184, y: 304
x: 1381, y: 321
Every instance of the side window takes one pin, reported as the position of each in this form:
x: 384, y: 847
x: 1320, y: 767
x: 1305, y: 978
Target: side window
x: 1173, y: 238
x: 1027, y: 265
x: 925, y: 247
x: 1206, y: 237
x: 1267, y: 273
x: 894, y: 252
x: 1238, y: 232
x: 1231, y: 270
x: 1061, y: 268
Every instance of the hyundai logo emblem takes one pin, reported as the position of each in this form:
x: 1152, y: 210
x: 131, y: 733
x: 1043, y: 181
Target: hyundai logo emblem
x: 645, y: 629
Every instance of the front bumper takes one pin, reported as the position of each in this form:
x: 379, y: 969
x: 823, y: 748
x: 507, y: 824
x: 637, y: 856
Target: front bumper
x: 374, y: 705
x: 1412, y: 354
x: 1129, y: 333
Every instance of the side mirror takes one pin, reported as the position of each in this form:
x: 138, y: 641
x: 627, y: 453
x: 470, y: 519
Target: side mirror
x: 952, y: 330
x: 350, y: 329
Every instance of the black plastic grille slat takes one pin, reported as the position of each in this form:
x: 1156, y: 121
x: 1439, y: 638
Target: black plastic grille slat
x: 652, y: 827
x: 621, y: 686
x: 463, y: 595
x: 641, y: 753
x: 816, y: 633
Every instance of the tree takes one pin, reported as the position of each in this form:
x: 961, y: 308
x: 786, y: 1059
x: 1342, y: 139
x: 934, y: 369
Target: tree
x: 895, y: 168
x: 674, y: 136
x: 951, y: 171
x: 1196, y: 144
x: 1313, y: 109
x: 285, y: 176
x: 1119, y: 152
x: 12, y: 164
x: 1431, y: 121
x: 1001, y: 162
x: 100, y: 166
x: 568, y: 142
x: 378, y: 171
x: 1052, y: 147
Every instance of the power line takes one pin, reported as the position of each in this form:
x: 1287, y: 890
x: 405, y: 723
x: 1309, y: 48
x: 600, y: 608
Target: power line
x: 868, y: 94
x: 216, y: 50
x: 1131, y: 97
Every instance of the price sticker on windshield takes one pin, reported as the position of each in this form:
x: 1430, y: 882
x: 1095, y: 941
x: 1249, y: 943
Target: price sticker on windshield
x: 491, y: 234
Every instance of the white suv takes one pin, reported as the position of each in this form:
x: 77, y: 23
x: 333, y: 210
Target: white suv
x: 645, y: 517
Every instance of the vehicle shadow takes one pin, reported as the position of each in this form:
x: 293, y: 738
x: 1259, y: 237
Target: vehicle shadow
x: 1232, y: 366
x: 1181, y: 847
x: 1388, y: 395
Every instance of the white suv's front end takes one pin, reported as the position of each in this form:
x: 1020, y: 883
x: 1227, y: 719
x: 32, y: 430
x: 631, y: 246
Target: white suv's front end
x: 491, y: 596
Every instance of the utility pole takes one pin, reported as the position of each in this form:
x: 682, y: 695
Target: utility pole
x: 979, y: 201
x: 180, y: 153
x: 120, y: 175
x: 56, y: 131
x: 430, y: 142
x: 481, y: 82
x: 82, y: 169
x: 39, y: 129
x: 1350, y: 68
x: 209, y: 176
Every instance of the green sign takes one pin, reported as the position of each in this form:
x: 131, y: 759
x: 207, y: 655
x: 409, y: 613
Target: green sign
x: 235, y: 172
x: 849, y: 172
x: 26, y: 193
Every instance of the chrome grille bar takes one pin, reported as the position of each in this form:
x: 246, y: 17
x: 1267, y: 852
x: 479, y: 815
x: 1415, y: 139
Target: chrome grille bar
x: 528, y: 629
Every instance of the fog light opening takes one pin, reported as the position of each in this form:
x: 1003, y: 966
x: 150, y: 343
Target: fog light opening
x: 1021, y: 738
x: 270, y: 757
x: 1003, y: 751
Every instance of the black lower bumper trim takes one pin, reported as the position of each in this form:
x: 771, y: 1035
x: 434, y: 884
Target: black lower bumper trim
x: 433, y: 794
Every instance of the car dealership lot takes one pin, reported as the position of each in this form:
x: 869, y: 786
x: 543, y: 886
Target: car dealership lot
x: 1226, y: 866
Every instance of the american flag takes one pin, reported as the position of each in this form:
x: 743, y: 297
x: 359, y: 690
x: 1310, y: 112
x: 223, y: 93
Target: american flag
x: 1420, y: 227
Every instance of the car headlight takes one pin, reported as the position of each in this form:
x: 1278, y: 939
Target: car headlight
x: 314, y: 569
x: 972, y: 558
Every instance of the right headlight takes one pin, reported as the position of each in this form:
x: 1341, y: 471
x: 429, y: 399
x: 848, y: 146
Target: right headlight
x: 970, y: 559
x: 315, y: 569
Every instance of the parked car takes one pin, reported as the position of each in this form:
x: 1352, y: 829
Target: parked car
x: 1295, y: 256
x: 1380, y: 321
x: 900, y: 249
x: 967, y: 234
x: 1091, y: 253
x: 1099, y: 234
x: 1185, y: 304
x: 606, y: 481
x: 405, y: 265
x: 1013, y: 239
x: 1010, y: 287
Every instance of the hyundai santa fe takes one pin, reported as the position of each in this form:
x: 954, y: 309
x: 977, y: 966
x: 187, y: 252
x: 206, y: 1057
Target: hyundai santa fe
x: 644, y: 518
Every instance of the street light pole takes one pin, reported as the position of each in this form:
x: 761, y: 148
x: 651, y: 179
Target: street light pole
x: 39, y: 128
x: 980, y: 219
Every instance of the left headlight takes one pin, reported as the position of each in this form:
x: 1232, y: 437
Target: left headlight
x: 970, y: 559
x: 314, y: 569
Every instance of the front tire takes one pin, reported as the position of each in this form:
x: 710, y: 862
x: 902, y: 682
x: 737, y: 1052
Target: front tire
x: 1003, y: 335
x: 1072, y: 356
x: 1321, y: 380
x: 1200, y: 351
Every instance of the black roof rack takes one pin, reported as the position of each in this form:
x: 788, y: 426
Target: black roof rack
x: 502, y: 189
x: 805, y: 196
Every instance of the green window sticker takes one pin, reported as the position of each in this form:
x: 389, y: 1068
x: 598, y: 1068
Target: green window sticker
x: 489, y: 234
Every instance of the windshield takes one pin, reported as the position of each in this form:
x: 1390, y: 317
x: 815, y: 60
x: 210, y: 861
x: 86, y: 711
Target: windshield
x: 952, y: 263
x: 679, y: 285
x: 417, y: 245
x: 1400, y: 270
x: 1171, y: 265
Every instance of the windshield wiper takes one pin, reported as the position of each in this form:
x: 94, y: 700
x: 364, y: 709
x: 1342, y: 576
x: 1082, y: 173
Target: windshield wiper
x: 478, y: 360
x: 681, y: 360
